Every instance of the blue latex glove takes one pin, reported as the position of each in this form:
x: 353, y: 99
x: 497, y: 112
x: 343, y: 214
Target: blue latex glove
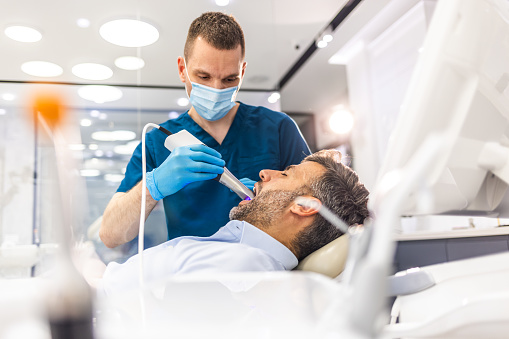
x: 186, y: 164
x: 248, y: 183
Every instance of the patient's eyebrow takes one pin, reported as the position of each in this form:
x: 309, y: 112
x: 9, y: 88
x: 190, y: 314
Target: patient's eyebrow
x: 289, y: 167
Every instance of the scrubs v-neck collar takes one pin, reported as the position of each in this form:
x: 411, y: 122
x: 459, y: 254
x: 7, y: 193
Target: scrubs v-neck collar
x: 230, y: 137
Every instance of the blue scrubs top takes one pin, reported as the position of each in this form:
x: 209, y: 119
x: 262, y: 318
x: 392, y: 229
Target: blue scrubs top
x: 258, y: 139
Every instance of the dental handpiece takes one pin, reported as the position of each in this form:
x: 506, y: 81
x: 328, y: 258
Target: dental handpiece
x: 184, y: 138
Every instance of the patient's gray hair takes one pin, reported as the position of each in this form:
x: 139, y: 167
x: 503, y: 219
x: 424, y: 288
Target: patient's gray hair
x: 340, y: 190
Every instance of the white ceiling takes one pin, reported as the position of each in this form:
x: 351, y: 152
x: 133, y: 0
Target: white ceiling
x: 273, y: 29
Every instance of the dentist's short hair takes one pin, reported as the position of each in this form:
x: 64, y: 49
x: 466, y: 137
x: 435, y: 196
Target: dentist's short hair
x: 220, y: 30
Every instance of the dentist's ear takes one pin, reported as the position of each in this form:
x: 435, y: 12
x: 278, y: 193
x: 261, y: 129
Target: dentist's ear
x: 306, y: 206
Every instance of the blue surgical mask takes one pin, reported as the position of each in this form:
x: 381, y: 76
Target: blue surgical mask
x: 212, y: 104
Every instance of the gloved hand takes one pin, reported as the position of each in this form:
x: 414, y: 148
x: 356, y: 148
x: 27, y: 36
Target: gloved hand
x: 186, y: 164
x: 248, y: 183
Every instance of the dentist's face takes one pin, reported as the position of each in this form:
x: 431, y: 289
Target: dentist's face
x: 275, y: 192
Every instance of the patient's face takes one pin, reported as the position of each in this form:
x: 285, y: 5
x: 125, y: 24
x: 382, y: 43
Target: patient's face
x: 275, y: 192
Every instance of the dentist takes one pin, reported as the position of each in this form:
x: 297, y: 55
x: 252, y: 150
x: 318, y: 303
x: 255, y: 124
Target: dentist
x: 245, y: 139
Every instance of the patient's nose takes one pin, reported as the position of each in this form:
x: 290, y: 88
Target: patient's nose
x: 267, y: 175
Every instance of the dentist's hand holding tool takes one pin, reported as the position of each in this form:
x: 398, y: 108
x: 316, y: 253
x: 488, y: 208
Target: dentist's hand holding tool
x: 186, y: 164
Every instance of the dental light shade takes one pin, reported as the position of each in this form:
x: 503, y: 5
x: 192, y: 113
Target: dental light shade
x: 69, y: 299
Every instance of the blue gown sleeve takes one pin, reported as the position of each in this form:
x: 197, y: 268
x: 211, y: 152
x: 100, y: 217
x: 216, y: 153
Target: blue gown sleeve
x: 293, y: 147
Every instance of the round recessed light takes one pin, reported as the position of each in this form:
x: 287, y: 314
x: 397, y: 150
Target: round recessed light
x: 23, y: 33
x: 85, y: 122
x: 183, y: 102
x: 129, y: 63
x: 100, y: 93
x: 129, y: 33
x: 113, y: 135
x: 91, y: 71
x: 8, y: 96
x: 113, y: 177
x: 222, y: 2
x: 90, y: 172
x: 321, y: 44
x: 274, y: 97
x: 83, y: 23
x: 41, y: 69
x: 341, y: 121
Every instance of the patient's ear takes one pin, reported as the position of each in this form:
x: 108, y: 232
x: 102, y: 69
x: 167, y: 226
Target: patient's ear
x: 308, y: 207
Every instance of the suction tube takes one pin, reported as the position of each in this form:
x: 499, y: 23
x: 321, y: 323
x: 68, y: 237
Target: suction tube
x: 184, y: 138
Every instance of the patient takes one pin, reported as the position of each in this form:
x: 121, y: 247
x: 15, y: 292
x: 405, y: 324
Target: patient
x: 269, y: 233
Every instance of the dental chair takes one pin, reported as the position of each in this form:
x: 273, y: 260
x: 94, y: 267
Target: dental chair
x: 329, y: 260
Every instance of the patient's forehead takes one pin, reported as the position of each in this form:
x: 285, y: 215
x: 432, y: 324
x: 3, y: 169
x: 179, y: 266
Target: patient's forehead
x: 307, y: 170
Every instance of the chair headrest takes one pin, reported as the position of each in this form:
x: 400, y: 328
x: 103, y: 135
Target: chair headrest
x: 329, y: 260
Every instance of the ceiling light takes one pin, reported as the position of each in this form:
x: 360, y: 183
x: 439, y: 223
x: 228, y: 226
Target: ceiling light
x: 126, y: 149
x: 321, y: 44
x: 183, y: 102
x: 76, y: 147
x: 222, y: 2
x: 274, y: 97
x: 129, y: 33
x: 113, y: 177
x: 91, y: 71
x: 83, y: 23
x: 93, y: 147
x: 41, y: 69
x: 8, y: 96
x: 113, y: 135
x: 94, y: 113
x: 173, y: 115
x: 23, y: 33
x: 341, y: 121
x: 327, y: 38
x: 129, y: 63
x: 90, y: 173
x: 100, y: 93
x: 86, y: 122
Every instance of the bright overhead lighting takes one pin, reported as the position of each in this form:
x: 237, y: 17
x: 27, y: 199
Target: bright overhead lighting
x: 222, y: 2
x: 126, y: 149
x: 100, y: 93
x: 86, y: 122
x: 23, y: 33
x: 94, y: 113
x: 41, y: 69
x: 129, y: 63
x: 327, y: 38
x: 113, y: 135
x: 8, y: 96
x: 183, y: 102
x: 321, y: 44
x: 341, y: 121
x: 76, y: 147
x: 173, y: 115
x: 274, y: 97
x: 113, y: 177
x: 93, y: 147
x: 129, y: 33
x: 90, y: 173
x: 3, y: 111
x: 91, y: 71
x: 83, y: 22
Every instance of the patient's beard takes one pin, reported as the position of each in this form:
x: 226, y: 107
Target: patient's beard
x: 265, y: 208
